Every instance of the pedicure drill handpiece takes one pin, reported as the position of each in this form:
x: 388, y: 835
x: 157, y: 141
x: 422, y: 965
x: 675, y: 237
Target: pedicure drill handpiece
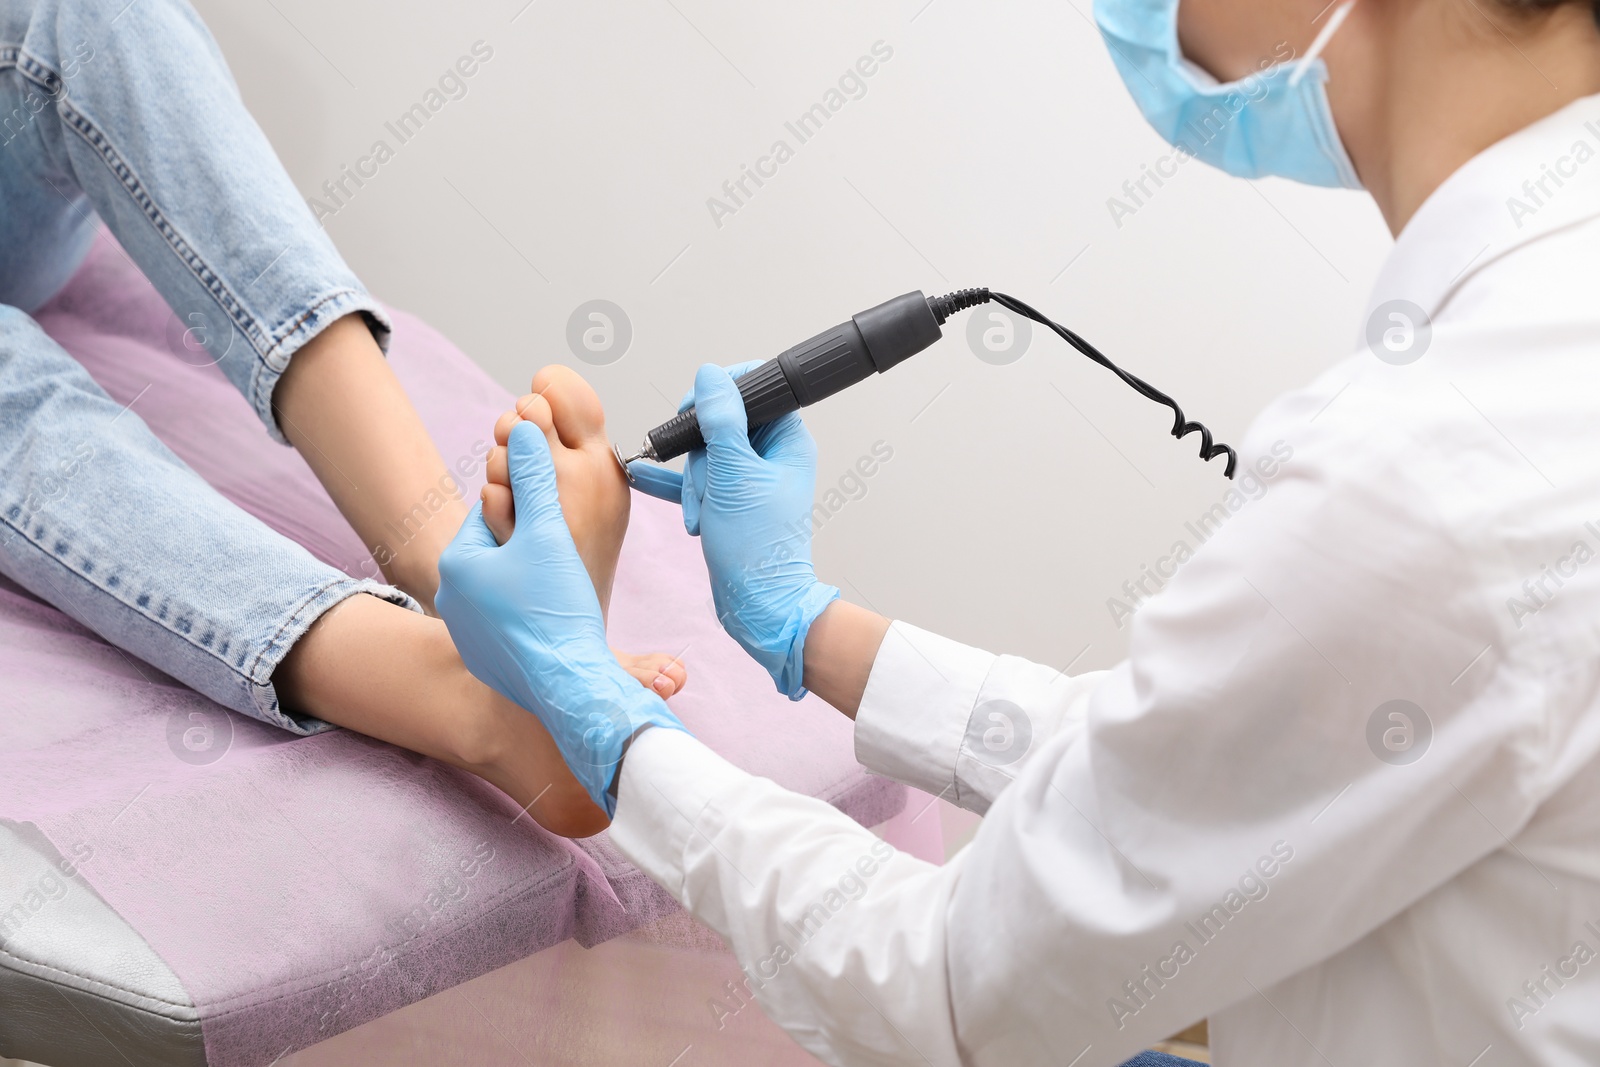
x: 872, y: 342
x: 868, y: 343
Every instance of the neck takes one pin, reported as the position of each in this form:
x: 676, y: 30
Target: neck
x: 1418, y: 88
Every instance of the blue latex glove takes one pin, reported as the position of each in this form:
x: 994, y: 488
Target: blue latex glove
x: 749, y: 498
x: 526, y: 620
x: 664, y: 483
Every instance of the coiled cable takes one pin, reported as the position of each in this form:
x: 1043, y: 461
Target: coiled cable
x: 945, y: 306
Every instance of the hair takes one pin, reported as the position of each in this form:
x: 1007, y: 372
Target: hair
x: 1539, y: 7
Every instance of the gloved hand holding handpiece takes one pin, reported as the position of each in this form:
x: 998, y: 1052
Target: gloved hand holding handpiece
x: 748, y: 496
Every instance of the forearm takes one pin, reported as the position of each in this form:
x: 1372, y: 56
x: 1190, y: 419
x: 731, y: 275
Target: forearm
x: 840, y: 649
x: 342, y: 407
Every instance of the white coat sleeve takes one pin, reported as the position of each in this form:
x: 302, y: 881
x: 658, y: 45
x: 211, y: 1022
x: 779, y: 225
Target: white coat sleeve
x: 1231, y: 805
x: 959, y: 722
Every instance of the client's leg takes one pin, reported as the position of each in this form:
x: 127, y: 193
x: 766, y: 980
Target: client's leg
x: 102, y: 520
x: 181, y: 174
x: 410, y: 660
x: 127, y: 112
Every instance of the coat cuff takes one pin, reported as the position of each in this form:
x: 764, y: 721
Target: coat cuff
x: 917, y: 706
x: 668, y: 786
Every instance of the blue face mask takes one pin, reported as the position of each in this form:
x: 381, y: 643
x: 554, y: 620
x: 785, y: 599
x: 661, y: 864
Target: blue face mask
x: 1276, y: 121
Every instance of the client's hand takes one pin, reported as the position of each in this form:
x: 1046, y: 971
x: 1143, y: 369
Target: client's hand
x: 527, y: 622
x: 594, y: 494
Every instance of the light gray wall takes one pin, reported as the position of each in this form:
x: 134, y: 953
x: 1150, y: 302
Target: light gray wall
x: 579, y: 164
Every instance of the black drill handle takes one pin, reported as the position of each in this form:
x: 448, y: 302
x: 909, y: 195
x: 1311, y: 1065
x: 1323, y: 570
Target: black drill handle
x: 872, y: 341
x: 767, y: 395
x: 801, y: 376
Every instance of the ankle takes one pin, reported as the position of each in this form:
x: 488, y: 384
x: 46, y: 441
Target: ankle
x: 481, y: 734
x: 414, y: 566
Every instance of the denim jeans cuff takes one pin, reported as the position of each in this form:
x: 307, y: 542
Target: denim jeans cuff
x: 263, y: 694
x: 291, y: 336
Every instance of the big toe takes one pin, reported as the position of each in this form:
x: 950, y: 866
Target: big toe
x: 574, y: 406
x: 535, y: 409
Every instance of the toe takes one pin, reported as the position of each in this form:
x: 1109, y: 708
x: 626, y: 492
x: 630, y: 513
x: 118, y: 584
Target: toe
x: 575, y: 406
x: 661, y: 684
x: 495, y: 468
x: 502, y: 427
x: 656, y: 671
x: 499, y: 513
x: 536, y: 409
x: 675, y: 672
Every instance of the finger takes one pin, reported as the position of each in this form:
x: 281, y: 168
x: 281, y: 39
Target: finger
x: 694, y: 490
x: 533, y: 478
x: 736, y: 371
x: 498, y: 511
x: 663, y: 483
x: 785, y: 440
x: 720, y: 408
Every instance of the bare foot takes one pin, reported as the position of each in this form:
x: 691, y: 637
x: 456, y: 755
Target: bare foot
x: 593, y: 489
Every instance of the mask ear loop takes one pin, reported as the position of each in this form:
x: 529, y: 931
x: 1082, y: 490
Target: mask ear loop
x: 1334, y: 22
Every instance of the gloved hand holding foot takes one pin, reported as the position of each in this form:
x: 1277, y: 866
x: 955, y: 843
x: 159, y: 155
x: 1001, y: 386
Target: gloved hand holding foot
x: 594, y: 495
x: 527, y: 621
x: 749, y: 497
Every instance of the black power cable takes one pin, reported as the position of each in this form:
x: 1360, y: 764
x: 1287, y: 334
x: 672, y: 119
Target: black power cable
x: 945, y: 306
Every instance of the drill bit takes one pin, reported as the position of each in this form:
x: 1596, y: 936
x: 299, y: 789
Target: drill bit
x: 646, y: 452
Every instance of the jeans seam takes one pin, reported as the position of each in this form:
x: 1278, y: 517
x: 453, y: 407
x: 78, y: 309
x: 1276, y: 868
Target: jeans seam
x: 247, y: 678
x: 232, y: 306
x: 292, y: 617
x: 30, y: 67
x: 90, y: 581
x: 32, y: 70
x: 264, y: 378
x: 281, y: 336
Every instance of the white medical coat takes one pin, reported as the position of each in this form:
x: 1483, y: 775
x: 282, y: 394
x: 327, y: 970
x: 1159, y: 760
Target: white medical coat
x: 1342, y: 796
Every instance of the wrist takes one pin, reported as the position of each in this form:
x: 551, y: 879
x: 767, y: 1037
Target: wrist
x: 840, y: 649
x: 788, y: 668
x: 614, y: 711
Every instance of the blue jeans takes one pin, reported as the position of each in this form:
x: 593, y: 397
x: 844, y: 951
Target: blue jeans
x: 127, y: 114
x: 1160, y: 1059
